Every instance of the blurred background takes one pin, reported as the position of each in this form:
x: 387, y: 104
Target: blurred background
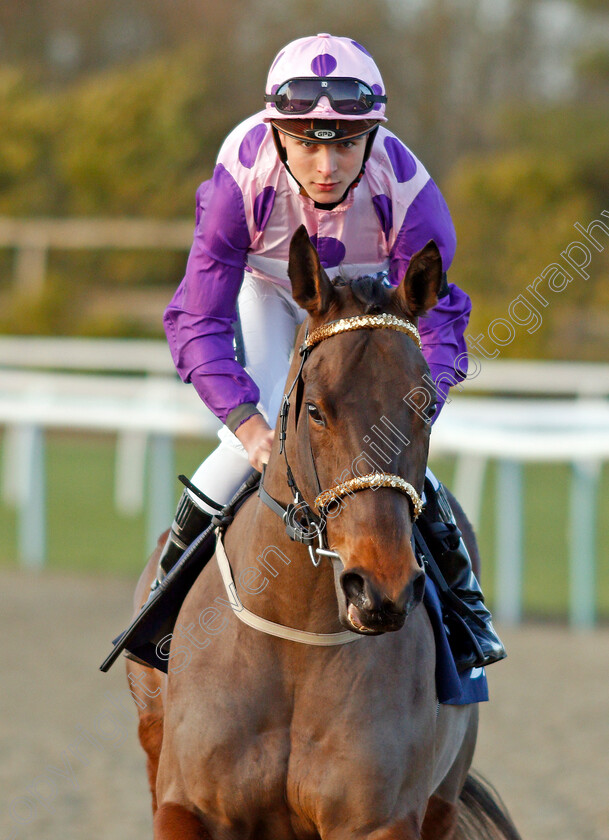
x: 111, y: 114
x: 118, y: 107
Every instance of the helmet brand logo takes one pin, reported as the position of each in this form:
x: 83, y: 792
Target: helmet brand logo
x: 324, y: 134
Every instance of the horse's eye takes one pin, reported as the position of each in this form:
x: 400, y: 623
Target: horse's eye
x: 315, y: 414
x: 429, y: 412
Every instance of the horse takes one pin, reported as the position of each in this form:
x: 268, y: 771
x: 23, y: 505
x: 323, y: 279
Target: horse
x: 254, y: 736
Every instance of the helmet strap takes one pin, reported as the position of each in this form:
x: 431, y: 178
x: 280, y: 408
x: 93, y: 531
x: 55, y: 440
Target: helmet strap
x: 283, y: 157
x: 368, y: 151
x: 281, y: 151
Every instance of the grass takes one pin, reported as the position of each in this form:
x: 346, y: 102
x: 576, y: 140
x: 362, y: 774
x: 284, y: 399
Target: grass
x: 546, y: 506
x: 86, y: 534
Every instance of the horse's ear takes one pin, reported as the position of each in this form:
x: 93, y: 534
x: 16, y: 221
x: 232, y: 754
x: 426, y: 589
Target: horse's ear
x: 418, y: 291
x: 311, y: 287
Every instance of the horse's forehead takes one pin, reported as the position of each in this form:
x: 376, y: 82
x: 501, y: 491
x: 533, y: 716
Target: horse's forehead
x: 365, y: 359
x: 375, y: 363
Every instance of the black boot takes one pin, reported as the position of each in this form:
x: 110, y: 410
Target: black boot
x: 472, y: 636
x: 189, y: 522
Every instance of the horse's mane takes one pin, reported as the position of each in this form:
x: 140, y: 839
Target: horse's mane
x: 367, y: 290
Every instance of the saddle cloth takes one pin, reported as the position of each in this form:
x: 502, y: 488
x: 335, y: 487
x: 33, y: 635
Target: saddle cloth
x: 453, y: 687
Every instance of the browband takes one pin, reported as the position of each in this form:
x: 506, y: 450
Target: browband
x: 359, y: 322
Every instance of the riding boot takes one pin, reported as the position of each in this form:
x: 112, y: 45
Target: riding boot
x: 472, y: 636
x: 189, y: 522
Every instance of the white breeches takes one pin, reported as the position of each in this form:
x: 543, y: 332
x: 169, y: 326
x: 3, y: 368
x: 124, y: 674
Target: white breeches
x: 269, y: 319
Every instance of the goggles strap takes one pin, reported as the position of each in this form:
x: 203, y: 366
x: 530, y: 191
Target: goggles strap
x: 328, y: 87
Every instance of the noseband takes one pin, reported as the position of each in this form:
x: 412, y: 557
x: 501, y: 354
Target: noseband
x: 302, y: 523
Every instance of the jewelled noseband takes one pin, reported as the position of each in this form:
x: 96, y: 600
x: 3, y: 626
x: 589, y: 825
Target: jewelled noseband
x: 309, y: 530
x: 377, y: 479
x: 370, y: 481
x: 302, y: 524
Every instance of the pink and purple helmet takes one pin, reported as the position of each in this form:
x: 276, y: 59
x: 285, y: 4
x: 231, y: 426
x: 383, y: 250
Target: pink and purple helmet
x: 324, y: 77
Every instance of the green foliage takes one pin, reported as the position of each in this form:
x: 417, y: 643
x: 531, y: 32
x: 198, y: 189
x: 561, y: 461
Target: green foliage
x: 141, y: 144
x: 592, y: 5
x: 28, y: 125
x: 578, y: 131
x: 51, y: 313
x: 138, y: 138
x: 135, y: 143
x: 515, y: 210
x: 593, y: 67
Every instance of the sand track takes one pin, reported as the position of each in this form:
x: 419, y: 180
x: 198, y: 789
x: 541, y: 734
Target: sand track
x: 71, y: 768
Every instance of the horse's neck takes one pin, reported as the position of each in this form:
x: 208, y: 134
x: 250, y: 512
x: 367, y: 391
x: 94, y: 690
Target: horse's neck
x: 274, y: 575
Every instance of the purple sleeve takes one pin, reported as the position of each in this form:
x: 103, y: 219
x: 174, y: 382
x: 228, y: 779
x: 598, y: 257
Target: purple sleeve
x: 198, y: 321
x: 442, y: 329
x: 427, y: 218
x: 444, y: 346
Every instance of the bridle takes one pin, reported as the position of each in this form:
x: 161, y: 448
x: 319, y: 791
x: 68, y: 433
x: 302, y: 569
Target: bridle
x: 302, y: 523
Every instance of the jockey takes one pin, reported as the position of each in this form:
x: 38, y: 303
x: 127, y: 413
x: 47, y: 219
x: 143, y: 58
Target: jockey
x: 318, y: 155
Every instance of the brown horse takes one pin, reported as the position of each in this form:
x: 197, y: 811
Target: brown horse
x: 257, y: 737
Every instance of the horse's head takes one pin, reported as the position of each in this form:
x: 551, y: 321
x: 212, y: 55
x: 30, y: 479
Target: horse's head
x: 350, y: 419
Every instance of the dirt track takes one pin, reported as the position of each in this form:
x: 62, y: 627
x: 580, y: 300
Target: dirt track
x: 70, y: 767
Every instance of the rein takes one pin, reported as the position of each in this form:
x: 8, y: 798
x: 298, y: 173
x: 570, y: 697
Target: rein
x: 302, y: 523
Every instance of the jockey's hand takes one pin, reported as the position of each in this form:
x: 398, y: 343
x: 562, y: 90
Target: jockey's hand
x: 257, y: 438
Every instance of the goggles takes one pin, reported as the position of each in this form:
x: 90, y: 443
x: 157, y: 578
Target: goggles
x: 347, y: 96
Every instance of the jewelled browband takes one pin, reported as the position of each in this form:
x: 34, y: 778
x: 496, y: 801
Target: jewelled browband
x: 359, y: 322
x: 372, y: 480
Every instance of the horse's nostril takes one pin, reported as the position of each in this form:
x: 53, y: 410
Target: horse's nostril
x: 418, y: 588
x: 364, y: 595
x: 412, y: 594
x: 353, y: 585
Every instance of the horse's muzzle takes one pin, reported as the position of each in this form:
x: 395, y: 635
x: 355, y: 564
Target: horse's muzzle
x: 369, y: 611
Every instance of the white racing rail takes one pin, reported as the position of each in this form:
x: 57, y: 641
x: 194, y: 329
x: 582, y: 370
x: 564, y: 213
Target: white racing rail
x: 148, y: 407
x: 513, y: 432
x: 145, y: 413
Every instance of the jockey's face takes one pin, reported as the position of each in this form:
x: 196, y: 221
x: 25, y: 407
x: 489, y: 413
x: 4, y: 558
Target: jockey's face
x: 325, y: 171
